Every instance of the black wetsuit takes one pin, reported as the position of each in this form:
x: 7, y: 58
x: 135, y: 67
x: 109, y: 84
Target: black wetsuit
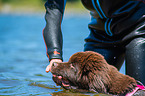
x: 117, y: 31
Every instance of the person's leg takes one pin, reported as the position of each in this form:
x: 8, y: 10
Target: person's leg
x: 135, y: 59
x: 98, y: 42
x: 113, y: 55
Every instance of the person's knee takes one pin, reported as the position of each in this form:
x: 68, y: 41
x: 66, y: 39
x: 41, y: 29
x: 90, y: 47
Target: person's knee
x: 137, y: 42
x: 135, y: 58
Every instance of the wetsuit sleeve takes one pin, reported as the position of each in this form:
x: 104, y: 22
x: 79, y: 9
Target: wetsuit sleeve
x: 52, y: 32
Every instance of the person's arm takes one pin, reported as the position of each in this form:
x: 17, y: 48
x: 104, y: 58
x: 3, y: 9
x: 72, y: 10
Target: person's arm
x: 52, y: 31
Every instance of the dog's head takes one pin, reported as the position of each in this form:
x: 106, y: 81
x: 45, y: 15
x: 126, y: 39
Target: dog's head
x: 89, y: 71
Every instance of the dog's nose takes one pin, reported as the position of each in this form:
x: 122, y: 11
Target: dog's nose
x: 54, y: 64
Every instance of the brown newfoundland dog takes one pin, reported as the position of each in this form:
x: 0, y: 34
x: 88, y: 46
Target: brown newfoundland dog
x: 89, y: 72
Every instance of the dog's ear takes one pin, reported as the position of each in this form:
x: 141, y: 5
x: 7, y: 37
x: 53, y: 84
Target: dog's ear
x: 96, y: 69
x: 99, y: 82
x: 98, y: 78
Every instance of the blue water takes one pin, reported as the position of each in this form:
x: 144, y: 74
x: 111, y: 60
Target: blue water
x: 23, y: 54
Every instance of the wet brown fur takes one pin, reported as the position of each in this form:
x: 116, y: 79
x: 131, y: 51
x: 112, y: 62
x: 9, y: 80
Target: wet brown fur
x: 90, y: 71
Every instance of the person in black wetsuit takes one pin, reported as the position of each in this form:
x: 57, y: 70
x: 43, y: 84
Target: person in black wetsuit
x: 117, y: 31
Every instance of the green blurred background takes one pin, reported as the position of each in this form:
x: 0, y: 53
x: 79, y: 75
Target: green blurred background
x: 33, y: 6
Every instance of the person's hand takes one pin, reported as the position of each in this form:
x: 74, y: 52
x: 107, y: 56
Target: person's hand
x: 48, y: 68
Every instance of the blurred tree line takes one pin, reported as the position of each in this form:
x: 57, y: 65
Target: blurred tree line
x: 72, y: 0
x: 31, y: 5
x: 28, y: 2
x: 9, y: 1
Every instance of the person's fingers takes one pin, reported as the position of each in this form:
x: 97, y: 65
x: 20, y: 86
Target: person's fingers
x: 48, y: 68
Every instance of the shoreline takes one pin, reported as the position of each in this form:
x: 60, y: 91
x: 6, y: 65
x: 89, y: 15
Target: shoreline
x: 68, y: 12
x: 71, y: 9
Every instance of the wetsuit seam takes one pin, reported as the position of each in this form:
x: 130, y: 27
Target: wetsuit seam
x: 98, y: 3
x: 107, y: 27
x: 93, y: 2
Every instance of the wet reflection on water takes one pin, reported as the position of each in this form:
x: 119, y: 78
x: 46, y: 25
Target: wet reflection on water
x: 65, y: 92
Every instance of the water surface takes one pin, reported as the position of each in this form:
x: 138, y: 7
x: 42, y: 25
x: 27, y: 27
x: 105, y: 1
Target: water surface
x: 23, y: 54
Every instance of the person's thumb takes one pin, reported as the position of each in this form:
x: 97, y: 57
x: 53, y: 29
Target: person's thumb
x: 48, y: 68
